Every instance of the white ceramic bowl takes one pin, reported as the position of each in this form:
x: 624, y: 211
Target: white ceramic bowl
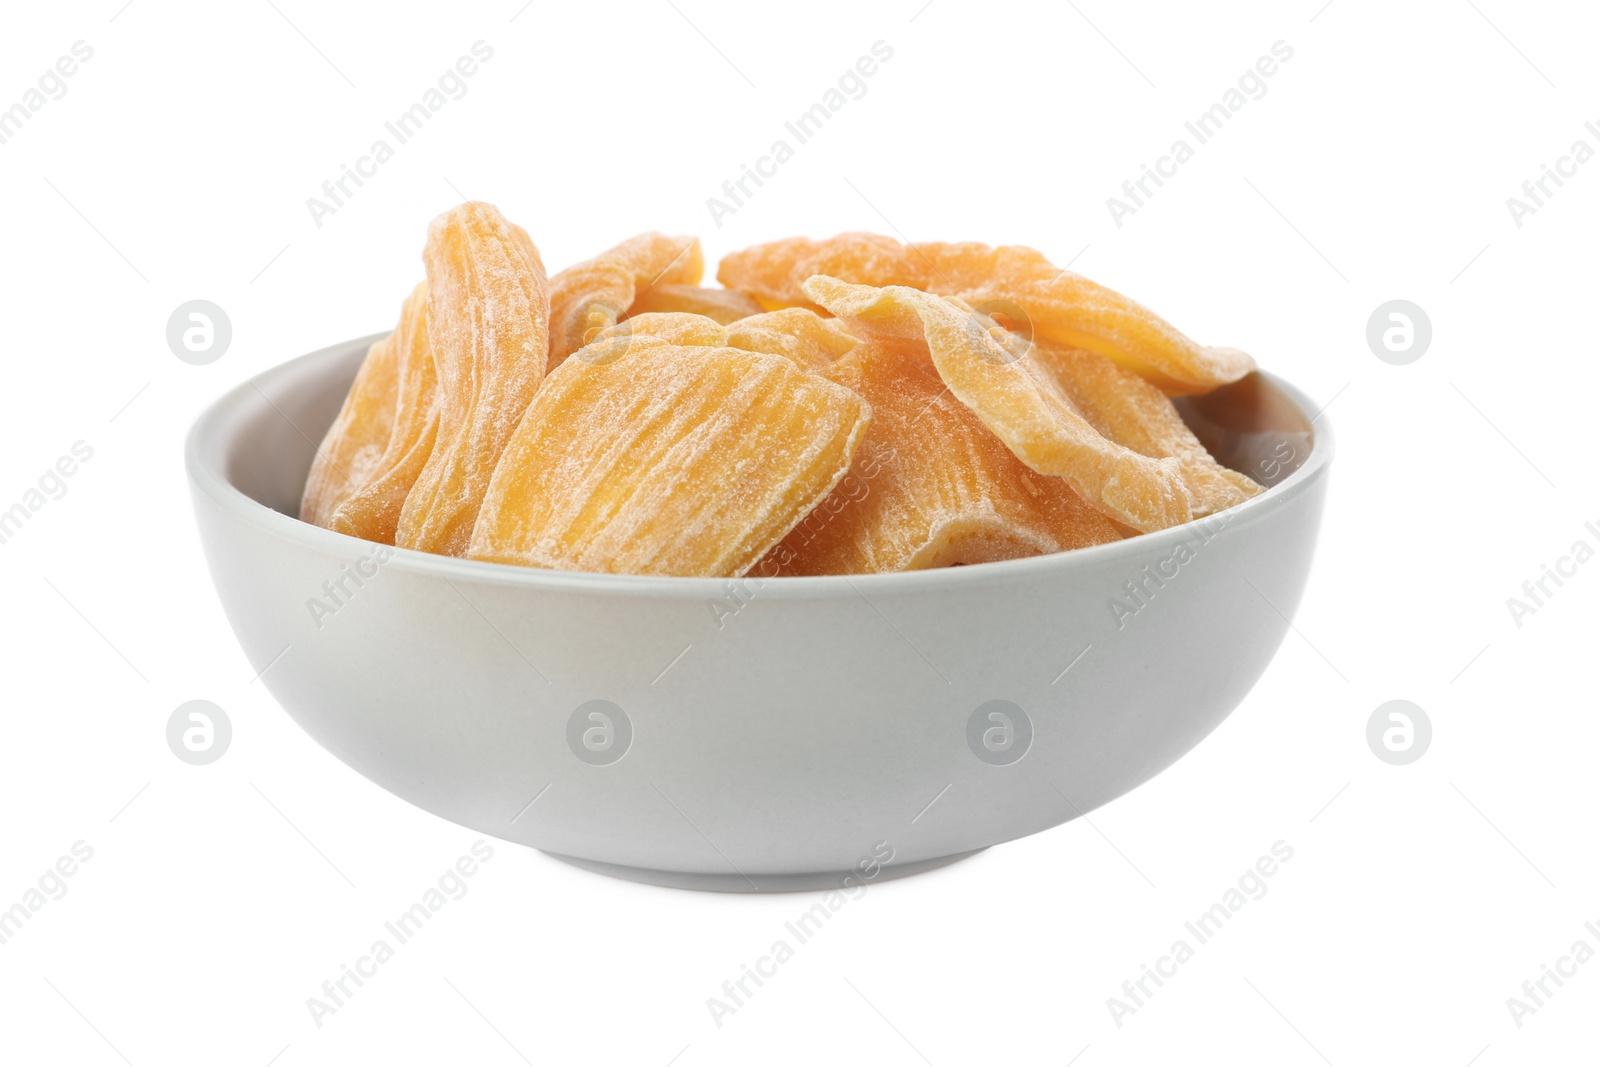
x: 739, y: 735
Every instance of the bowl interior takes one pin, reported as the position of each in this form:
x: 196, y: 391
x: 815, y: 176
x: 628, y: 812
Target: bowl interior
x: 1251, y: 426
x: 268, y: 454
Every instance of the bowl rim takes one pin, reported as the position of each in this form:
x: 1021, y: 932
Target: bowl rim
x: 217, y: 425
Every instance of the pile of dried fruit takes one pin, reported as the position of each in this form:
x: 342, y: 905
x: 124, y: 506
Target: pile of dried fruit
x: 844, y: 406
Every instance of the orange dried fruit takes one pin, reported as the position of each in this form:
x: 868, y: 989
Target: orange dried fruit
x: 798, y: 333
x: 1131, y: 411
x: 590, y: 296
x: 1018, y: 398
x: 774, y: 272
x: 1057, y: 304
x: 488, y: 325
x: 931, y: 485
x: 724, y: 305
x: 372, y: 511
x: 1072, y: 310
x: 801, y: 336
x: 667, y: 327
x: 654, y: 328
x: 1020, y: 409
x: 354, y: 445
x: 669, y: 459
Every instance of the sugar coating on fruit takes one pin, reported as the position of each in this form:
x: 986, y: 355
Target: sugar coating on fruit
x: 804, y: 337
x: 1051, y: 303
x: 653, y: 328
x: 1134, y: 413
x: 353, y: 448
x: 846, y: 406
x: 668, y: 327
x: 774, y: 272
x: 488, y: 326
x: 798, y: 333
x: 371, y: 510
x: 588, y: 297
x: 669, y: 460
x: 1018, y: 398
x: 931, y: 485
x: 724, y: 305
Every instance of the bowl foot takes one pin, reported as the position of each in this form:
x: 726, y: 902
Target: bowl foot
x: 755, y: 883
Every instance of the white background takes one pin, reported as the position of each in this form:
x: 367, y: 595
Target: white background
x: 1377, y: 166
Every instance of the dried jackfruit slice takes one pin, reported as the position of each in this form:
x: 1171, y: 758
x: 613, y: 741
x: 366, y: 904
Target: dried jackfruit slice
x: 1131, y: 411
x: 1018, y: 397
x: 1070, y: 309
x: 372, y: 510
x: 931, y: 486
x: 1057, y: 304
x: 671, y: 460
x: 798, y: 333
x: 590, y: 296
x: 802, y: 336
x: 724, y: 305
x: 774, y: 272
x: 668, y: 327
x: 353, y: 448
x: 652, y: 328
x: 488, y: 326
